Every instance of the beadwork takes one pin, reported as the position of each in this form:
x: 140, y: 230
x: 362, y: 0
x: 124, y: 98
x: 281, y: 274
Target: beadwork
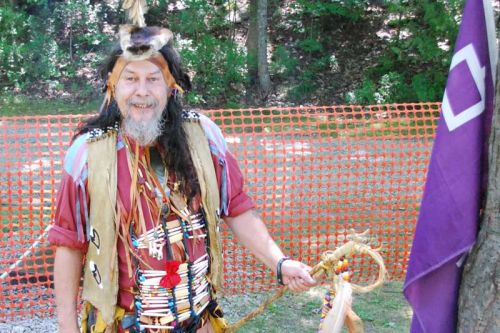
x: 341, y: 272
x: 165, y: 308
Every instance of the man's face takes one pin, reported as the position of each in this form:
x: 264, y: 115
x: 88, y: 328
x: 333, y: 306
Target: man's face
x: 141, y: 94
x: 141, y: 91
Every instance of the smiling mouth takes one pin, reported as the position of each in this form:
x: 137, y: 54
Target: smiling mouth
x: 142, y: 106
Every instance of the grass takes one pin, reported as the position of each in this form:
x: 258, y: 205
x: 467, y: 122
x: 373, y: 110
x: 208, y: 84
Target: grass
x: 21, y: 106
x: 384, y: 310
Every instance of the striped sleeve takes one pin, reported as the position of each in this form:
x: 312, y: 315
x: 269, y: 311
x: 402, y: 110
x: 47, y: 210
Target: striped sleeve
x: 234, y: 199
x: 71, y: 217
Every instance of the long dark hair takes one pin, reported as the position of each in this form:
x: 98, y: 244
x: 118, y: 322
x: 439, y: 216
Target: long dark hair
x: 173, y: 143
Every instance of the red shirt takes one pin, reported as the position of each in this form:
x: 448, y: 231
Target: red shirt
x: 71, y: 217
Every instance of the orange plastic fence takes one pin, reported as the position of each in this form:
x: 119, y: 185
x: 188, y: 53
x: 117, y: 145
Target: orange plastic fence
x: 314, y: 172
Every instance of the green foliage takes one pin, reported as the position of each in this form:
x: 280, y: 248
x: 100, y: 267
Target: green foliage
x: 53, y: 48
x: 363, y: 95
x: 28, y: 52
x: 304, y: 89
x: 16, y: 28
x: 415, y: 64
x: 46, y: 52
x: 308, y: 81
x: 283, y: 64
x: 429, y: 86
x: 81, y: 42
x: 218, y: 75
x: 216, y: 63
x: 350, y: 9
x: 391, y: 87
x: 310, y: 45
x: 313, y: 51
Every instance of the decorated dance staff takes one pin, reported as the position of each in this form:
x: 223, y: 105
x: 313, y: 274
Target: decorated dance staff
x: 334, y: 265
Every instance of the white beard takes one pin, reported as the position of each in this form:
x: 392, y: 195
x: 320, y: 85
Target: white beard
x: 144, y: 133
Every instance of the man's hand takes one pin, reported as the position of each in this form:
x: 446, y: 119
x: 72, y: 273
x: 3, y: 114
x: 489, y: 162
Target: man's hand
x: 296, y: 276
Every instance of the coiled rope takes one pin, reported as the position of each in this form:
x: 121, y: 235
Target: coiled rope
x: 358, y: 244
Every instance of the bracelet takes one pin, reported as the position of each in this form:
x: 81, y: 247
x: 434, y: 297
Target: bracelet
x: 279, y: 275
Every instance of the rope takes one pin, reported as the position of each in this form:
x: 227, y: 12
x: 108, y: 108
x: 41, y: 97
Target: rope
x: 329, y: 259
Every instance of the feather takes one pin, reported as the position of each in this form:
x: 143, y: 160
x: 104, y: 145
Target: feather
x: 136, y: 9
x: 334, y: 319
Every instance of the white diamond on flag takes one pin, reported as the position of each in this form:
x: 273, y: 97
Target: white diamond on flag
x: 458, y: 118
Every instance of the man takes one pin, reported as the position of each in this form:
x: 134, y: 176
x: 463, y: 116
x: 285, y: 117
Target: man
x: 144, y: 187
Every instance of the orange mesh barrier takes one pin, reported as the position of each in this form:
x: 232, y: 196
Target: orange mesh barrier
x: 314, y: 172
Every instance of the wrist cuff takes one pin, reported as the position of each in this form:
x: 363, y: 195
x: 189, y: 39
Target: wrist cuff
x: 279, y: 275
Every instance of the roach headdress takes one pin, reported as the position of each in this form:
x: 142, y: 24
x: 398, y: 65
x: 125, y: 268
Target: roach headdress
x: 139, y: 42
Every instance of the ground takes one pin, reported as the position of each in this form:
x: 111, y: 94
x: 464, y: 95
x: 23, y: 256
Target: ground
x: 383, y: 310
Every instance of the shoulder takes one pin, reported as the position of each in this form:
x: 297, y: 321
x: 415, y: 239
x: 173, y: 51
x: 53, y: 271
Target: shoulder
x: 203, y: 120
x: 213, y: 133
x: 76, y: 157
x: 75, y: 161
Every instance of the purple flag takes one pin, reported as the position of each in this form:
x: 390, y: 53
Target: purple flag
x: 449, y: 214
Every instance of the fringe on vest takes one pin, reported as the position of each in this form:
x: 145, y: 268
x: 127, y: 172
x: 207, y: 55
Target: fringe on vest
x: 100, y: 286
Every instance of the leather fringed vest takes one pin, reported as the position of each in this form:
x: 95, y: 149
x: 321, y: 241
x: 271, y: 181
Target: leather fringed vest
x: 101, y: 286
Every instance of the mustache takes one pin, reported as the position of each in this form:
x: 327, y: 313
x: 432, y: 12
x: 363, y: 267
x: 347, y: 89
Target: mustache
x: 147, y: 100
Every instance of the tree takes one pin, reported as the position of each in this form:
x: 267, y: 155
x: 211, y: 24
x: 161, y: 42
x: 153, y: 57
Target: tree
x: 264, y: 80
x: 252, y: 43
x: 479, y: 299
x: 257, y: 47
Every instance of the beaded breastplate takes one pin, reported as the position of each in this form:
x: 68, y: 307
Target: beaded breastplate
x: 168, y: 298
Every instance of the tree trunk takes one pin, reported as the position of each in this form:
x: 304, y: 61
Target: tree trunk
x: 252, y: 44
x: 70, y: 26
x: 264, y: 79
x: 479, y: 299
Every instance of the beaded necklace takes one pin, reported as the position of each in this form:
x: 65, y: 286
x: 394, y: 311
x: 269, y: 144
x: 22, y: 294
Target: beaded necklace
x: 158, y: 307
